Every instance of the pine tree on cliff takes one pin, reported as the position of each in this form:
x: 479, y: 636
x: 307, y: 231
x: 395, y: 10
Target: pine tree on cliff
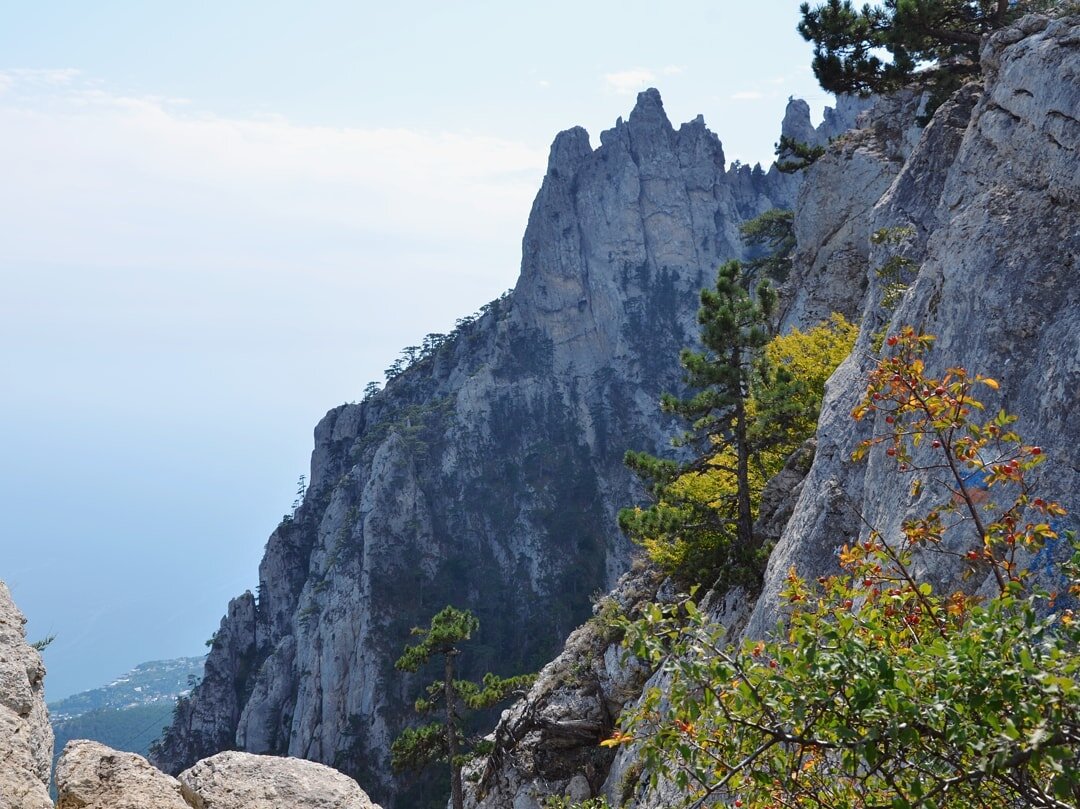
x: 445, y: 740
x: 944, y: 34
x: 727, y: 436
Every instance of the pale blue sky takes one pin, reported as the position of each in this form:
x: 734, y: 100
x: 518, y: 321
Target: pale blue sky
x: 221, y: 219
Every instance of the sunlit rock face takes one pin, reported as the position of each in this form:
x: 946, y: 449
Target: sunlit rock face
x: 991, y: 195
x: 26, y: 737
x: 489, y: 474
x: 90, y: 775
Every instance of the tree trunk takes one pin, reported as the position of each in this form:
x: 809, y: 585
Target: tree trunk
x: 745, y: 525
x: 452, y: 733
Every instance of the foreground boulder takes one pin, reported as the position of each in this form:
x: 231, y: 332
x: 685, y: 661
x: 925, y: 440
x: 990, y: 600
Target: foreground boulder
x: 244, y: 781
x: 26, y: 738
x: 90, y: 775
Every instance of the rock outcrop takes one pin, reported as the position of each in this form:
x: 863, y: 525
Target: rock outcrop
x: 991, y: 195
x: 26, y: 738
x: 548, y: 743
x: 90, y: 775
x: 244, y: 781
x: 489, y: 473
x: 985, y: 204
x: 832, y: 222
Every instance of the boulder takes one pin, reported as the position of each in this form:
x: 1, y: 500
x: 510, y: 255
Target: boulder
x: 90, y: 775
x: 235, y: 780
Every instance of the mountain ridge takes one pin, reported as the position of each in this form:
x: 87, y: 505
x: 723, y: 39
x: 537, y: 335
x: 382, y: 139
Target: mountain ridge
x: 488, y: 474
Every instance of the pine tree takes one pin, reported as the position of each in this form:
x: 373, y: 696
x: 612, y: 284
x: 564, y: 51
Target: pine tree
x: 774, y: 231
x: 945, y: 35
x: 727, y: 435
x: 445, y: 740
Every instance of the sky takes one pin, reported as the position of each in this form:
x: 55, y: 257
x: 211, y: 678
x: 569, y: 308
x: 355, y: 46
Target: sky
x: 221, y: 219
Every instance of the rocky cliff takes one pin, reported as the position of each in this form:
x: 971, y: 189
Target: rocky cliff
x: 990, y: 193
x: 489, y: 473
x: 26, y: 738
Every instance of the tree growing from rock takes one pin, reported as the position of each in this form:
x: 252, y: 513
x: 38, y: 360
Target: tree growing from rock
x: 445, y: 740
x: 934, y: 41
x: 876, y: 690
x: 773, y: 232
x: 749, y: 412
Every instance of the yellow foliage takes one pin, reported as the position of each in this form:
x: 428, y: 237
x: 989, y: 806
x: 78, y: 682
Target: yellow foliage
x: 809, y: 356
x: 812, y: 356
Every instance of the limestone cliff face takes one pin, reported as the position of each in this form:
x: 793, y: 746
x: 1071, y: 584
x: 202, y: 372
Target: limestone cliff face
x: 26, y: 737
x: 488, y: 475
x: 991, y: 193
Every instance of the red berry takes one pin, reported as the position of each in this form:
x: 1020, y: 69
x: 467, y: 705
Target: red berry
x: 889, y: 420
x: 849, y: 604
x: 772, y: 664
x: 867, y: 582
x: 936, y: 444
x: 738, y: 802
x: 1036, y: 450
x: 890, y: 452
x: 940, y: 391
x: 891, y: 341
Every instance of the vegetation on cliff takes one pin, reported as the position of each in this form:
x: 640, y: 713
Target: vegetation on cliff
x: 444, y: 740
x: 936, y: 42
x: 876, y: 689
x: 756, y: 400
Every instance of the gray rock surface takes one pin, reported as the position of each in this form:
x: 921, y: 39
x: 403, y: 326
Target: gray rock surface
x: 90, y: 775
x: 835, y: 121
x: 549, y: 742
x: 489, y: 473
x: 234, y: 780
x: 832, y: 213
x: 992, y: 192
x: 628, y: 784
x: 26, y: 738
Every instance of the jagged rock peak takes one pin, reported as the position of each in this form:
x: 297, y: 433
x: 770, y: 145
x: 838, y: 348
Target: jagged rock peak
x: 835, y: 120
x: 569, y: 148
x: 490, y: 472
x: 796, y: 124
x: 647, y: 121
x: 649, y: 111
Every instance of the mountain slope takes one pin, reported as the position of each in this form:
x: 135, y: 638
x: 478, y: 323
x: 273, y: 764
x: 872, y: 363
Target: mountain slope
x: 991, y: 193
x: 489, y: 473
x: 156, y: 681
